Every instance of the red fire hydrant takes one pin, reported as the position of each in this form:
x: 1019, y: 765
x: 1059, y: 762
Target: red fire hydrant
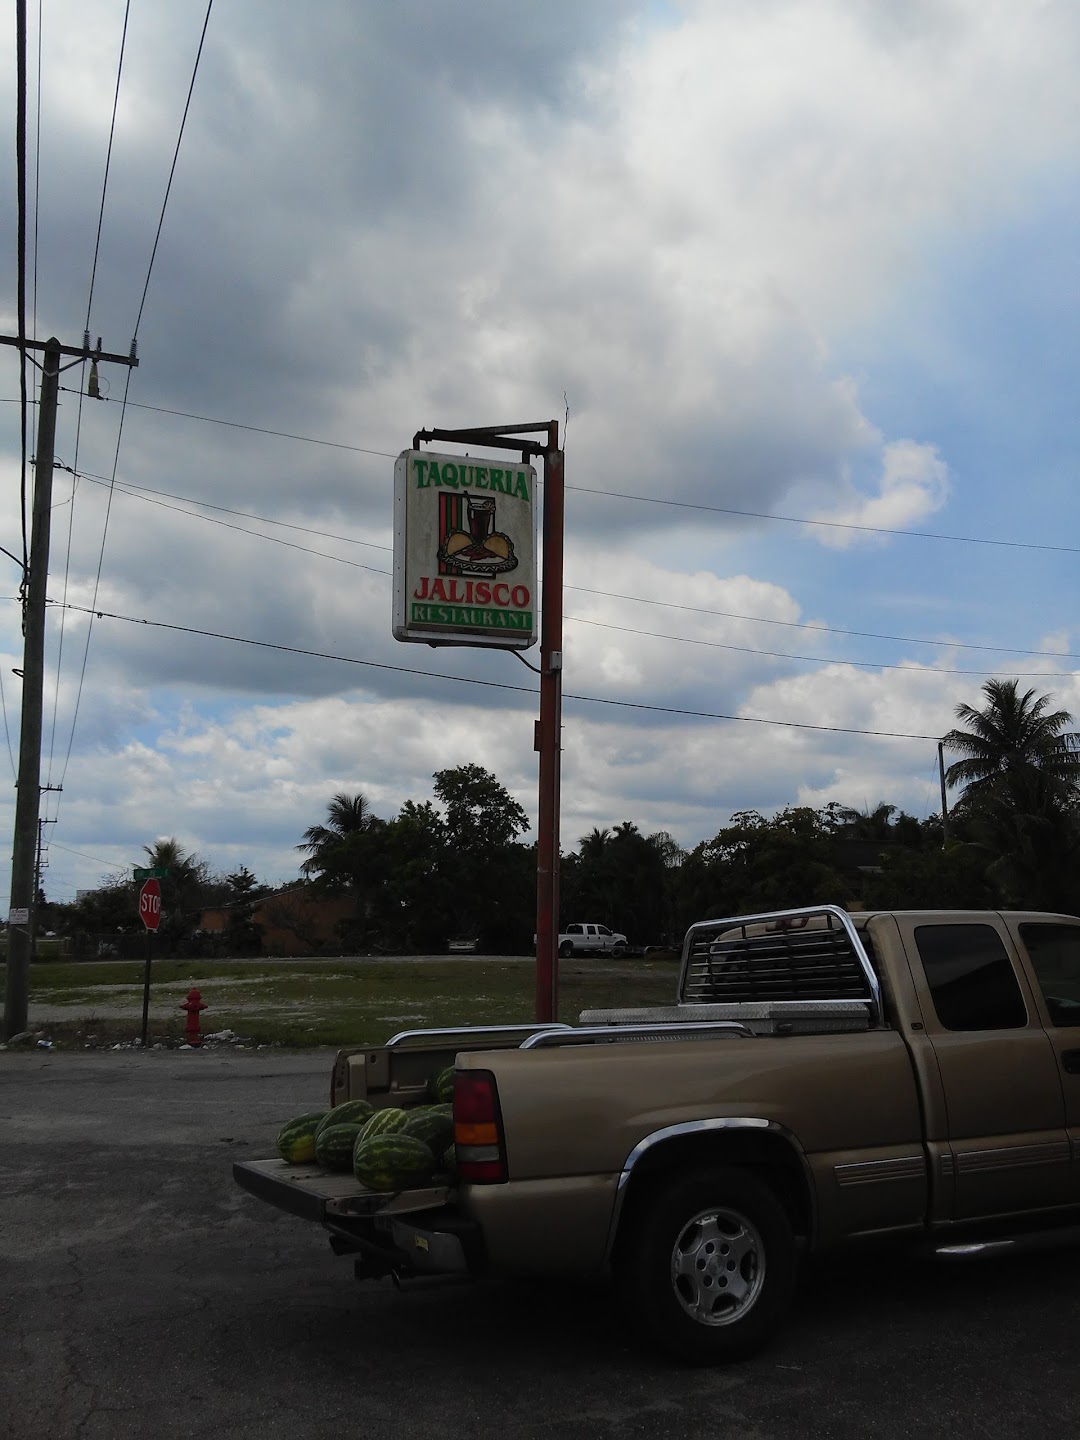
x: 193, y: 1004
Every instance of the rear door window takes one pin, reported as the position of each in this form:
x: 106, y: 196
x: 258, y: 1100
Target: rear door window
x: 1055, y: 958
x: 971, y: 978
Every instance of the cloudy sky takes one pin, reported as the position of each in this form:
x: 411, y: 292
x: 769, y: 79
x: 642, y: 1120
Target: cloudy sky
x: 782, y: 261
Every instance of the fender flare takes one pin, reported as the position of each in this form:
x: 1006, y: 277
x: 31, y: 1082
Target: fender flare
x: 716, y: 1125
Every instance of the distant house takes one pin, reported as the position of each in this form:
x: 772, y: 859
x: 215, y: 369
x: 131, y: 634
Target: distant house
x: 293, y: 922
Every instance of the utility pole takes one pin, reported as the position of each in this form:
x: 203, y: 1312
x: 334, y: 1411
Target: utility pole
x: 944, y: 798
x: 28, y: 792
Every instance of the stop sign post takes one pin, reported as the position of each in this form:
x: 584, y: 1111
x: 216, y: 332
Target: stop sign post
x: 150, y: 915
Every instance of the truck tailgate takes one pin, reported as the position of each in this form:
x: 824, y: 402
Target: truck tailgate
x: 313, y: 1193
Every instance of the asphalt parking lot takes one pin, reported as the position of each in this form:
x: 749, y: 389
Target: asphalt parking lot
x: 143, y: 1294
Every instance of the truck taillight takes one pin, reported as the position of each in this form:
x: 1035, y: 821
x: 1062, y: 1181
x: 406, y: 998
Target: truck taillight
x: 478, y: 1137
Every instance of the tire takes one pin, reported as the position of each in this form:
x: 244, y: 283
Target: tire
x: 707, y: 1267
x: 566, y: 949
x: 619, y: 951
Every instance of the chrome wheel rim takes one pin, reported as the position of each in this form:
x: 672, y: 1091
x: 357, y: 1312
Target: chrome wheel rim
x: 718, y: 1267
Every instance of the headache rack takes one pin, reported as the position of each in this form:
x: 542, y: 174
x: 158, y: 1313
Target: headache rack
x: 783, y: 959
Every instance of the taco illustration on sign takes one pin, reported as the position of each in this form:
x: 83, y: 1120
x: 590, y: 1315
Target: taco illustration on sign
x: 469, y: 544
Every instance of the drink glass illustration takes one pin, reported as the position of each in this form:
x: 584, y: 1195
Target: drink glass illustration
x: 481, y: 517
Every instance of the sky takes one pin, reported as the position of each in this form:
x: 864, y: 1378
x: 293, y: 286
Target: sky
x: 768, y: 263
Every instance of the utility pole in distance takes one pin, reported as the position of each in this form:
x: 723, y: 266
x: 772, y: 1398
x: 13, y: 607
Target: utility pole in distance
x: 28, y: 794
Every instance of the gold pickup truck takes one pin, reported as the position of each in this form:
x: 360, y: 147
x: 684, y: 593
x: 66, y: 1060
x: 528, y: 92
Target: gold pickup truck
x: 824, y: 1077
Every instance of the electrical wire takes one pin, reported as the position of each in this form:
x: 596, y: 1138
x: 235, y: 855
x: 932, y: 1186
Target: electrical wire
x: 108, y: 163
x: 122, y: 489
x: 97, y: 585
x: 127, y: 385
x: 172, y: 172
x: 913, y: 669
x: 262, y: 430
x: 654, y: 500
x: 497, y: 684
x: 143, y: 492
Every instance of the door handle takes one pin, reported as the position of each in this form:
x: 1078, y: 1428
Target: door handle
x: 1070, y: 1060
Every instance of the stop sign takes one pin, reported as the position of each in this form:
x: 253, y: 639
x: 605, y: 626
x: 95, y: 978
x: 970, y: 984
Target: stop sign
x: 150, y: 904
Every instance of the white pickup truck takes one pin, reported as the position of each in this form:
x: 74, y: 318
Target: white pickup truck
x: 581, y: 939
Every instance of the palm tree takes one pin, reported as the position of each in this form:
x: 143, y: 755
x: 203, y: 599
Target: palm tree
x: 345, y: 815
x: 1016, y: 748
x: 1020, y: 767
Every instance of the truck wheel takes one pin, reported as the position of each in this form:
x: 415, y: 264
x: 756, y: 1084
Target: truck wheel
x: 566, y: 949
x: 619, y: 951
x: 708, y: 1266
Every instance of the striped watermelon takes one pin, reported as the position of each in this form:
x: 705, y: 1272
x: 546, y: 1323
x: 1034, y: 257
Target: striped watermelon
x: 392, y: 1161
x: 349, y: 1112
x: 433, y: 1126
x: 385, y: 1122
x: 296, y: 1140
x: 334, y: 1145
x: 441, y: 1086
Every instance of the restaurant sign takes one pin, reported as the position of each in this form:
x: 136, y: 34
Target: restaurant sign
x: 464, y: 550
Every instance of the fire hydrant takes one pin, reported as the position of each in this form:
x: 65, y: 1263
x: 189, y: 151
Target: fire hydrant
x: 193, y: 1004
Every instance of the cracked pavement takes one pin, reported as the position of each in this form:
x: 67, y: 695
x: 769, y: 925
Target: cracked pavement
x: 142, y: 1293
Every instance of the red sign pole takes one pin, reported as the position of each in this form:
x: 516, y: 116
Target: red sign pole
x: 150, y: 915
x: 549, y: 737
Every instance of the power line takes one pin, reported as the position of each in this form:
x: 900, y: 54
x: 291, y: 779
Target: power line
x: 262, y: 430
x: 139, y: 491
x: 828, y: 524
x: 825, y: 629
x: 497, y: 684
x: 97, y: 583
x: 809, y: 659
x: 172, y: 172
x: 108, y: 162
x: 654, y: 500
x: 273, y: 539
x: 127, y: 385
x: 143, y: 492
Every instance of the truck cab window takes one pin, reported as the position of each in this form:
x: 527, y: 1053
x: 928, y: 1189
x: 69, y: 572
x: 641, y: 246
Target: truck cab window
x: 1055, y: 958
x: 970, y: 977
x: 602, y: 930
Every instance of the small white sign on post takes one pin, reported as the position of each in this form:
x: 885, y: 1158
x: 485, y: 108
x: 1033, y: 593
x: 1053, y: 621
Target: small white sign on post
x: 464, y: 551
x: 19, y: 916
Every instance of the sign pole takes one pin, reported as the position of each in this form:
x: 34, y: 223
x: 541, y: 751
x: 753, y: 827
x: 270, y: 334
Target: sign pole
x: 549, y: 737
x: 146, y: 985
x: 150, y: 915
x: 458, y: 604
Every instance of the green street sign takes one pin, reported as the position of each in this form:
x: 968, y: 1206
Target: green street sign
x: 159, y: 873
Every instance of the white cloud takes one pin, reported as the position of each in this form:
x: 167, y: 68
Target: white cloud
x: 914, y: 483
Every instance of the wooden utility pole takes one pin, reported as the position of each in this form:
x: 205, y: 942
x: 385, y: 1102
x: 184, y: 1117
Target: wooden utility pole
x: 944, y: 797
x: 28, y: 793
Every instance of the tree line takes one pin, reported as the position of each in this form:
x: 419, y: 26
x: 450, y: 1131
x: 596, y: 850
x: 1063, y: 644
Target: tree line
x: 456, y: 866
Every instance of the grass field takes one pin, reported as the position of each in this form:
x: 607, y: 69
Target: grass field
x: 323, y: 1002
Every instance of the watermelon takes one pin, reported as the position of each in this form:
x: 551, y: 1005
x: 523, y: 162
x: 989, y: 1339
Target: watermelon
x: 448, y: 1162
x: 385, y: 1122
x: 431, y: 1125
x: 349, y: 1112
x: 334, y: 1145
x: 296, y: 1140
x: 392, y: 1161
x: 441, y: 1086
